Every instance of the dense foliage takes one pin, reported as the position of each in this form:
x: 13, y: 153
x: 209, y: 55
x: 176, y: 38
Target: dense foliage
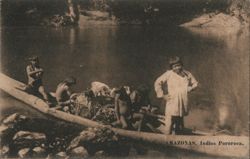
x: 24, y: 12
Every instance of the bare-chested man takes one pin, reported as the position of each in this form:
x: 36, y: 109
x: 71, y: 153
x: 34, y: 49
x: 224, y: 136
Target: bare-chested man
x: 35, y: 74
x: 63, y: 93
x: 122, y: 108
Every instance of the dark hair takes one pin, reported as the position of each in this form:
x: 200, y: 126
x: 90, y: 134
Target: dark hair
x: 120, y: 90
x: 143, y: 89
x: 175, y: 60
x: 89, y: 94
x: 33, y: 58
x: 70, y: 80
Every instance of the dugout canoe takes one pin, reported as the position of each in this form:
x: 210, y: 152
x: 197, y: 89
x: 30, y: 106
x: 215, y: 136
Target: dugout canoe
x: 224, y: 145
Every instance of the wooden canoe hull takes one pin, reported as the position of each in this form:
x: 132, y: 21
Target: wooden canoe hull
x: 231, y: 146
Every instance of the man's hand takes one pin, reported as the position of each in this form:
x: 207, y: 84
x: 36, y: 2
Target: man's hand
x: 40, y: 70
x: 39, y: 73
x: 189, y: 89
x: 167, y: 97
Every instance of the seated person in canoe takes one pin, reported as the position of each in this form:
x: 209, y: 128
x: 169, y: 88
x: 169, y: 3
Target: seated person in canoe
x: 64, y: 96
x: 143, y: 113
x: 35, y: 74
x: 124, y: 111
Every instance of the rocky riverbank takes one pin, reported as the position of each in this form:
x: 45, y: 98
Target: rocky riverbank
x: 21, y: 137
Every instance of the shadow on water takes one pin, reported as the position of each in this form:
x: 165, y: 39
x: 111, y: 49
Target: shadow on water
x: 230, y: 76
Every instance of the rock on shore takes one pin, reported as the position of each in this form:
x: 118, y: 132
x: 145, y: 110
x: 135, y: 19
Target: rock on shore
x: 213, y: 20
x: 230, y: 21
x: 39, y: 143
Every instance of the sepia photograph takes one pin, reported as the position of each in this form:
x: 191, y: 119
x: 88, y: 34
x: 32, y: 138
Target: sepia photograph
x: 129, y: 79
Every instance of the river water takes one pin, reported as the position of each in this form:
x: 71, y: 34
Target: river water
x: 134, y: 55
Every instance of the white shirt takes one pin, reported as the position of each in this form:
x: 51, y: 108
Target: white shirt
x: 178, y: 88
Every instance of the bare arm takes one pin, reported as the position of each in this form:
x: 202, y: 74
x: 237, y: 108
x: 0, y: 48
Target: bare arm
x: 133, y: 97
x: 117, y: 111
x: 192, y: 82
x: 33, y: 73
x: 159, y: 83
x: 59, y: 92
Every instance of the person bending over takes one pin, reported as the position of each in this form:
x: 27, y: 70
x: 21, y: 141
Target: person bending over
x: 63, y: 94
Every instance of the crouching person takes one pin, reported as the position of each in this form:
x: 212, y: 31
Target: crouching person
x: 64, y: 96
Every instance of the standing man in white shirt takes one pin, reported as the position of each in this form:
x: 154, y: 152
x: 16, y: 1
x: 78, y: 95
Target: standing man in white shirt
x: 173, y: 86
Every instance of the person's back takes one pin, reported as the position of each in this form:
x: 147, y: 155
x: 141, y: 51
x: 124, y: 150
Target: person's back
x: 124, y: 102
x: 123, y: 107
x: 63, y: 92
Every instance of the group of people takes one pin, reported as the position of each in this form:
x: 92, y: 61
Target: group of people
x: 35, y: 85
x: 173, y: 86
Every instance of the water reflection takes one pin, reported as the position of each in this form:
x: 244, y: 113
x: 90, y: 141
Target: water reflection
x: 135, y: 55
x: 230, y: 67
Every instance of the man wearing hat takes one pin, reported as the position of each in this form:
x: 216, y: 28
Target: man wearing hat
x: 35, y: 73
x: 173, y: 86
